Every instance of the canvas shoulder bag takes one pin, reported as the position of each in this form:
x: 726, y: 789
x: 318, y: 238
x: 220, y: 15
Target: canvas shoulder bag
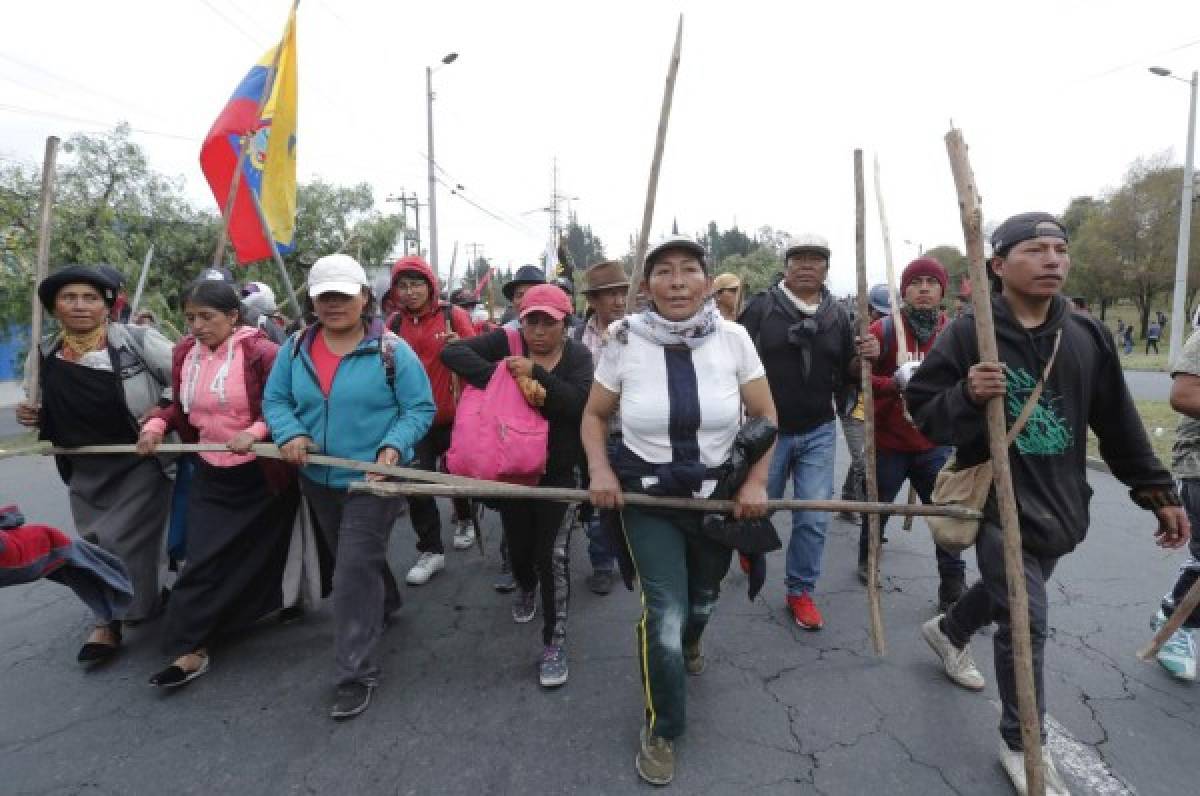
x: 968, y: 487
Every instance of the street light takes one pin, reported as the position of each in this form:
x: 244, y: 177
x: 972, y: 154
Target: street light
x: 1185, y: 224
x: 449, y: 58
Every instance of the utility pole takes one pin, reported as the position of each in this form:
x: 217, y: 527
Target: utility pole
x: 412, y: 233
x: 433, y: 252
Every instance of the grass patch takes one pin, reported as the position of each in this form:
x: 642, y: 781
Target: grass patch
x: 1136, y: 361
x: 1160, y: 421
x: 23, y: 440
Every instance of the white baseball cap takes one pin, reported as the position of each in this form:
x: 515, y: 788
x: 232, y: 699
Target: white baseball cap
x: 336, y: 273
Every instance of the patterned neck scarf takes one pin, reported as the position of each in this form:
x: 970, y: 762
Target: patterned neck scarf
x: 74, y: 346
x: 692, y: 332
x: 923, y: 322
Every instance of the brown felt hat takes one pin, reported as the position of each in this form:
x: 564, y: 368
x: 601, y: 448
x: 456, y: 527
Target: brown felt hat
x: 600, y: 276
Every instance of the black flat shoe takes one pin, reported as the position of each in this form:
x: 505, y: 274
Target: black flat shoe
x: 174, y: 676
x: 94, y: 652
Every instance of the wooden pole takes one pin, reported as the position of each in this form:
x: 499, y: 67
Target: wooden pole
x: 293, y: 294
x: 873, y: 535
x: 446, y: 484
x: 41, y: 270
x: 1182, y: 611
x: 235, y: 181
x: 141, y: 285
x: 902, y: 355
x: 639, y: 252
x: 971, y: 211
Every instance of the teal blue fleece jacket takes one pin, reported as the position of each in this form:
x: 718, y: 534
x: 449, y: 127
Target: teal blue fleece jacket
x: 361, y: 415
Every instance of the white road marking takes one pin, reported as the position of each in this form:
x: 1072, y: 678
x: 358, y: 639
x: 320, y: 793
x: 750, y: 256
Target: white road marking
x: 1080, y: 762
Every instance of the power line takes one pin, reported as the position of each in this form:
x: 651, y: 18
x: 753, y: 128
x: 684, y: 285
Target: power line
x: 231, y: 23
x: 89, y: 92
x: 105, y: 125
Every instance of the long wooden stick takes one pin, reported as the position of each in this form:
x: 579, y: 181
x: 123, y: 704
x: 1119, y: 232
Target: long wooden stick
x: 141, y: 285
x: 41, y: 270
x: 902, y: 354
x: 445, y: 484
x: 1182, y: 611
x: 971, y: 211
x: 875, y: 610
x: 639, y: 252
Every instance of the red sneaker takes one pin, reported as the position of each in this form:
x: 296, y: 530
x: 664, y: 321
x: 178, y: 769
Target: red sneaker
x: 744, y: 563
x: 805, y: 612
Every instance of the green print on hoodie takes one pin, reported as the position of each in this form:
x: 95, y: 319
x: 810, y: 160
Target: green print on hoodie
x: 1047, y: 432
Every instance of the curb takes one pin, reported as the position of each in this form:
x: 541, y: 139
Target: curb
x: 1098, y: 465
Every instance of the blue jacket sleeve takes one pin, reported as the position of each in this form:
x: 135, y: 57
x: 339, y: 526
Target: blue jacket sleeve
x: 415, y: 399
x: 279, y: 404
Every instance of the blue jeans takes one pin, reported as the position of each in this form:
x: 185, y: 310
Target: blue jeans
x: 808, y: 458
x: 921, y: 469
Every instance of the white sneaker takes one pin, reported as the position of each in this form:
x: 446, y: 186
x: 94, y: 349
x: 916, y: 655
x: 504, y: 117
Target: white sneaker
x: 1014, y: 765
x: 959, y: 665
x: 428, y: 565
x: 1178, y: 655
x: 464, y: 535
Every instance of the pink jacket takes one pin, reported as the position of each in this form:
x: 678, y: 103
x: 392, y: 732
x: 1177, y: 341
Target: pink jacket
x: 212, y: 395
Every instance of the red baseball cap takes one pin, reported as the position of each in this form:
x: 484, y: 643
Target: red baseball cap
x: 546, y: 298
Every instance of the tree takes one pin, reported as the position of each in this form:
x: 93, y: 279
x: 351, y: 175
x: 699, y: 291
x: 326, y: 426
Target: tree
x: 955, y: 263
x: 1127, y: 243
x: 110, y: 206
x: 583, y: 247
x: 756, y: 269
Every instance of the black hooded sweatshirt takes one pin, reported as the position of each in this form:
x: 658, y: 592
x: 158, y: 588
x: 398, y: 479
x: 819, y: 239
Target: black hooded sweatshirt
x: 1086, y: 388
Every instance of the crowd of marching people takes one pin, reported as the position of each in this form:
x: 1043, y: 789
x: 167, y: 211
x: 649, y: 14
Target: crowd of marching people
x: 698, y: 391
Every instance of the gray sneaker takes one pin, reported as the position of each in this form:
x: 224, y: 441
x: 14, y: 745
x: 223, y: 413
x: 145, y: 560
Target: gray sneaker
x: 504, y: 582
x: 1013, y: 761
x: 524, y: 606
x: 351, y: 700
x: 552, y: 668
x: 655, y: 761
x: 958, y: 663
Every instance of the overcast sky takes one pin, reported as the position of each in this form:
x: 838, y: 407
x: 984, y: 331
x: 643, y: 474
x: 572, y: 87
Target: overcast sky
x: 1053, y: 98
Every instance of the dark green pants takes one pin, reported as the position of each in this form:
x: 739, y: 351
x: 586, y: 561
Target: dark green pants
x: 681, y: 574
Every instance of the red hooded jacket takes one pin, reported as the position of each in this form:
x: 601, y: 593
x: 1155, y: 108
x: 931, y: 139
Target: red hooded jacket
x: 425, y: 333
x: 893, y: 431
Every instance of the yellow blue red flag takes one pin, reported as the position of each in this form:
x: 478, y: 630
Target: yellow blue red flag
x: 269, y: 167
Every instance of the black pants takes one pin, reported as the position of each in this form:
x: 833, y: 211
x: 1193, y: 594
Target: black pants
x: 538, y: 534
x: 1152, y: 343
x: 1190, y: 571
x: 986, y: 602
x: 423, y: 511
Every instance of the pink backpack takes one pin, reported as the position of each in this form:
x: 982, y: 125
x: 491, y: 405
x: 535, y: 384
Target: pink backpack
x: 497, y: 435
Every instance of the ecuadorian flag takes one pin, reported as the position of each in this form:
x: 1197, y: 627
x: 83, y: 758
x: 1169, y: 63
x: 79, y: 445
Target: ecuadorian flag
x: 269, y: 168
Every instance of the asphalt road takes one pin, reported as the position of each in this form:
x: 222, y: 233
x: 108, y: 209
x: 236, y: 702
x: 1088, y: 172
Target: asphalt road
x: 779, y: 710
x: 1149, y: 385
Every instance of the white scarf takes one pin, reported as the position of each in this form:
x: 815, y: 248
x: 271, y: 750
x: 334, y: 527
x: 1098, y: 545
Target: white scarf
x: 692, y: 332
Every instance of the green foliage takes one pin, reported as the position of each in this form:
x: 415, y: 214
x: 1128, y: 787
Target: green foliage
x: 583, y: 247
x: 953, y: 260
x: 756, y: 268
x: 1123, y: 245
x: 111, y: 206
